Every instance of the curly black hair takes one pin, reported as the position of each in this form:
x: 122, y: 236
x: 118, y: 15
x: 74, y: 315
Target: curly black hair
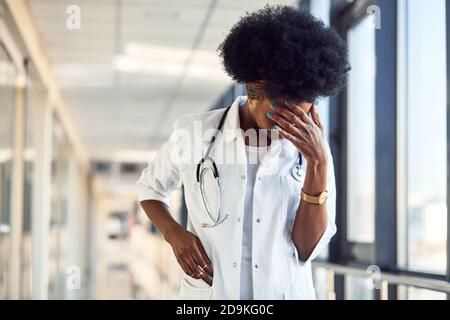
x: 298, y: 56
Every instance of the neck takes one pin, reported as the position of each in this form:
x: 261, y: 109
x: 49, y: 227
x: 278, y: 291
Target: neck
x: 247, y: 118
x: 247, y: 121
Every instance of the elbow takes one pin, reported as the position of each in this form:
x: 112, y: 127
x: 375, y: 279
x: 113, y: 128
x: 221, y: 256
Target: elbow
x: 304, y: 257
x: 308, y: 244
x: 304, y: 250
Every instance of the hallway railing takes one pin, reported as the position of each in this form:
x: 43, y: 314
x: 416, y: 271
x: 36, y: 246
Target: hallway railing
x: 384, y: 279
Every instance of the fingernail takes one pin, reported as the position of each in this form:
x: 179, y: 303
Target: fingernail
x: 269, y: 114
x: 275, y: 127
x: 274, y: 106
x: 288, y: 102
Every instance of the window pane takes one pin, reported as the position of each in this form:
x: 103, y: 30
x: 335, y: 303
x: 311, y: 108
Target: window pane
x: 7, y: 96
x: 35, y: 100
x: 426, y: 135
x: 321, y: 10
x: 361, y: 133
x: 412, y: 293
x: 58, y: 241
x: 357, y: 288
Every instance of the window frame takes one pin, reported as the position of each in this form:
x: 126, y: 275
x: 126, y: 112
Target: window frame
x: 447, y: 9
x: 343, y: 16
x: 15, y: 54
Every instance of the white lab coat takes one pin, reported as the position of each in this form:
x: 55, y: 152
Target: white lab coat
x: 277, y: 271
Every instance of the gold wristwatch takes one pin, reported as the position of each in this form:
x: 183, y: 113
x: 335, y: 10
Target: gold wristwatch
x: 320, y: 199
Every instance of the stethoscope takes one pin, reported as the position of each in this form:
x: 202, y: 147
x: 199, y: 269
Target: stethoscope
x: 207, y: 165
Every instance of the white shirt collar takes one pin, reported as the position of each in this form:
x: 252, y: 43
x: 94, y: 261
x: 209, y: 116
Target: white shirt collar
x: 232, y: 130
x: 232, y: 127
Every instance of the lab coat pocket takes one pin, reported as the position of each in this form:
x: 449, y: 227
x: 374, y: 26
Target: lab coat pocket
x: 290, y: 200
x: 312, y: 293
x: 194, y: 202
x: 194, y: 289
x: 301, y: 288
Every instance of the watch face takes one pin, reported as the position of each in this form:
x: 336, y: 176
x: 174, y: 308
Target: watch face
x: 323, y: 197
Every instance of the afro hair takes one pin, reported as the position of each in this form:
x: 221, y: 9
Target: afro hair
x: 295, y: 53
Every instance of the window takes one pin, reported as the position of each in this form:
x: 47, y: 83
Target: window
x: 356, y: 288
x: 35, y: 100
x: 423, y: 294
x: 7, y: 94
x: 361, y: 133
x: 426, y: 136
x: 321, y: 10
x: 417, y: 168
x: 58, y: 240
x: 413, y: 293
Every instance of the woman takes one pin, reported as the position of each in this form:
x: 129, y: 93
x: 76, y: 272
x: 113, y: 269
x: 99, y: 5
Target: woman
x: 255, y: 226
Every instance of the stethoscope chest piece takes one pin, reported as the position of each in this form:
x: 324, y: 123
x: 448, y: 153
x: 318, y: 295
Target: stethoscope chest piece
x: 298, y: 172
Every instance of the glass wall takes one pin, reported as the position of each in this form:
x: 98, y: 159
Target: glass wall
x: 421, y: 155
x: 35, y: 101
x: 423, y: 294
x: 59, y: 211
x: 41, y: 192
x: 8, y: 97
x: 361, y: 133
x: 426, y: 136
x: 356, y: 288
x: 321, y: 10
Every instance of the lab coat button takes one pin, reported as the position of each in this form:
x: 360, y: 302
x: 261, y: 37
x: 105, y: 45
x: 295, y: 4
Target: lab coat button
x: 238, y: 219
x: 243, y: 177
x: 256, y: 266
x: 258, y: 220
x: 234, y: 264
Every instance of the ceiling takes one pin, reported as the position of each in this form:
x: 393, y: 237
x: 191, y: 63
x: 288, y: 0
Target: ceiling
x: 134, y: 66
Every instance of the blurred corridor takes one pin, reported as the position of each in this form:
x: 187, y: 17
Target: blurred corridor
x: 89, y: 91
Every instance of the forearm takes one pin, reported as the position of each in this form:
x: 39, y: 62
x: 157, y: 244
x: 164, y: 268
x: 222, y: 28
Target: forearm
x: 158, y: 212
x: 311, y: 219
x: 186, y: 246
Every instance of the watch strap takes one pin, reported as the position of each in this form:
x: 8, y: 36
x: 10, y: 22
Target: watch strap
x: 320, y: 199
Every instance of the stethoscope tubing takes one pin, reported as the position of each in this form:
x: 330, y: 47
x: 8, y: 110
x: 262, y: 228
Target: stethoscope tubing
x: 200, y: 172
